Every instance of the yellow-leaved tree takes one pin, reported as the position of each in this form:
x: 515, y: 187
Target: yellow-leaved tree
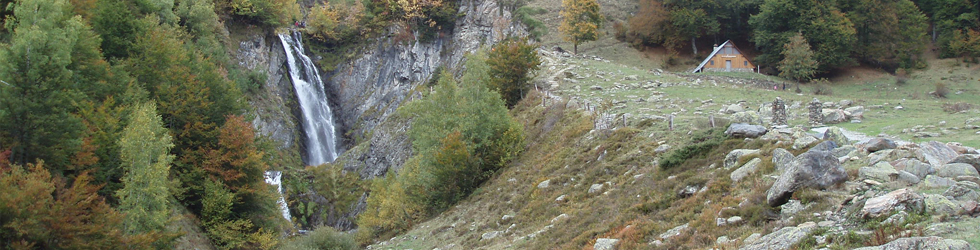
x: 580, y: 21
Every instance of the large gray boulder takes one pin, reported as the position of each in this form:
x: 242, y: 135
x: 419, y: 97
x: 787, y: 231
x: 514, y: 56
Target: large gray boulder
x: 953, y: 170
x: 733, y: 157
x: 940, y: 205
x: 747, y: 117
x: 784, y: 238
x: 605, y: 244
x: 833, y: 116
x: 836, y: 135
x: 742, y: 130
x: 780, y: 158
x: 919, y: 168
x: 922, y: 243
x: 747, y: 169
x: 825, y: 146
x: 813, y: 169
x: 898, y: 200
x: 972, y: 159
x: 964, y: 191
x: 878, y: 144
x: 933, y: 181
x: 882, y: 171
x: 935, y: 153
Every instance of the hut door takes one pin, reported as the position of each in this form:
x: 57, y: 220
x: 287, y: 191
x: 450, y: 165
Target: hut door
x: 728, y: 65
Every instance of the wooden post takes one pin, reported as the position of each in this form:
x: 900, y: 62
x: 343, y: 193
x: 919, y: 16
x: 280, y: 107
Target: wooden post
x: 711, y: 118
x: 624, y: 120
x: 670, y: 123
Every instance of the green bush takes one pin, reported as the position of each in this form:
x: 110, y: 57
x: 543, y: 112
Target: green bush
x: 535, y: 27
x: 322, y: 238
x: 700, y: 144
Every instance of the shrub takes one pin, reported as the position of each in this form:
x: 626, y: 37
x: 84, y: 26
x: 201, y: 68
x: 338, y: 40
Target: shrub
x: 901, y: 77
x: 700, y: 144
x: 535, y: 27
x: 269, y: 12
x: 322, y: 238
x: 941, y: 90
x: 512, y: 64
x: 957, y: 107
x: 335, y: 24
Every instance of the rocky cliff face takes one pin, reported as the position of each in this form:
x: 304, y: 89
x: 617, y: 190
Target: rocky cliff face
x: 371, y: 88
x: 366, y: 92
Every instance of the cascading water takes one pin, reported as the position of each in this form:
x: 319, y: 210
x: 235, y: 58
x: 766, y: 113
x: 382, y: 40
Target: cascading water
x: 317, y: 117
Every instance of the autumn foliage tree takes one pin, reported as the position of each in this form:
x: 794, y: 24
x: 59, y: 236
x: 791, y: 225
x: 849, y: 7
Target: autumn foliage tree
x: 145, y: 153
x: 580, y: 21
x: 512, y: 63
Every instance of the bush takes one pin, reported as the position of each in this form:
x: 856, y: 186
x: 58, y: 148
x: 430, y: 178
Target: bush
x: 512, y: 64
x: 941, y: 90
x: 901, y: 77
x: 957, y: 107
x: 700, y: 145
x: 335, y: 24
x: 535, y: 27
x: 322, y: 238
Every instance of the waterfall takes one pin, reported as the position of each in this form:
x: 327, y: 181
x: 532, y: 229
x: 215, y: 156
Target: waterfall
x: 275, y: 178
x: 317, y: 117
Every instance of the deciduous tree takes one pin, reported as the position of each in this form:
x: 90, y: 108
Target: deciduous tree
x: 512, y: 63
x: 798, y: 63
x: 145, y: 153
x: 580, y: 21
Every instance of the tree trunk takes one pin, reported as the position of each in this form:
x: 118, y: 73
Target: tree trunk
x: 575, y: 48
x: 694, y: 46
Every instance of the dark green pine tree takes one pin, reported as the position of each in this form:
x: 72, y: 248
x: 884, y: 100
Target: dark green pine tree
x: 41, y: 82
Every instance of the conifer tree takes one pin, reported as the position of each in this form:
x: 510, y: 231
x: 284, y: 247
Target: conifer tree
x: 798, y: 63
x: 39, y: 83
x: 580, y: 21
x: 145, y: 152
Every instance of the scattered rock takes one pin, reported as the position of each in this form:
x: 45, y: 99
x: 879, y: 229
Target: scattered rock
x: 491, y: 235
x: 544, y: 184
x: 734, y: 220
x: 857, y: 112
x: 674, y: 231
x: 745, y: 170
x: 833, y: 116
x: 964, y: 191
x: 560, y: 198
x: 662, y: 149
x: 932, y: 181
x: 902, y: 199
x: 733, y: 157
x: 908, y: 178
x: 935, y: 153
x: 843, y: 151
x: 742, y: 130
x: 722, y: 240
x: 882, y: 171
x: 595, y: 188
x: 605, y: 244
x: 940, y: 205
x: 953, y: 170
x: 747, y: 117
x: 825, y: 146
x: 687, y: 191
x: 780, y: 158
x: 734, y: 108
x: 924, y: 243
x: 595, y: 87
x: 878, y: 144
x: 784, y: 238
x: 896, y: 219
x: 815, y: 169
x: 804, y: 141
x: 972, y: 159
x: 790, y: 209
x: 506, y: 218
x: 918, y: 168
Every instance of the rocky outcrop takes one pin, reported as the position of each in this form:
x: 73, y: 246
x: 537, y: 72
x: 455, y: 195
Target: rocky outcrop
x: 935, y: 153
x: 733, y: 157
x: 784, y: 238
x: 923, y: 243
x: 814, y: 169
x: 742, y: 130
x: 274, y: 105
x: 898, y: 200
x: 878, y: 144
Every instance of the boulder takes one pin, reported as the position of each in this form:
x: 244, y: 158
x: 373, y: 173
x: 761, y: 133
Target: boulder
x: 932, y: 181
x: 815, y: 169
x: 790, y: 209
x: 804, y: 141
x: 491, y: 235
x: 784, y: 238
x: 605, y: 244
x: 836, y: 135
x: 843, y: 151
x: 972, y: 159
x: 898, y: 200
x: 922, y: 243
x: 747, y: 169
x: 780, y: 158
x: 595, y: 188
x: 908, y: 178
x: 544, y: 184
x: 857, y: 112
x: 674, y: 231
x: 734, y: 108
x: 824, y: 146
x: 881, y: 171
x: 833, y: 116
x: 742, y: 130
x: 918, y: 168
x: 888, y: 155
x: 747, y: 117
x: 964, y: 191
x: 940, y: 205
x: 878, y: 144
x: 935, y: 153
x: 953, y: 170
x: 733, y: 157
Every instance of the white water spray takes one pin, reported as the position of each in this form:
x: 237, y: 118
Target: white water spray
x: 317, y: 118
